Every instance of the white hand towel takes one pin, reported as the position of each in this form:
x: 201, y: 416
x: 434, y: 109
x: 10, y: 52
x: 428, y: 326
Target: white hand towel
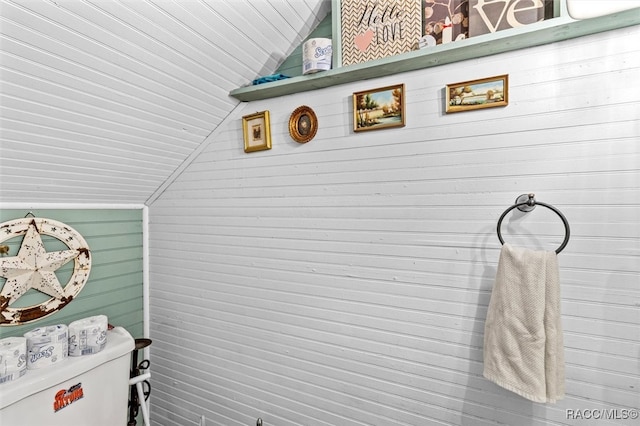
x: 523, y: 348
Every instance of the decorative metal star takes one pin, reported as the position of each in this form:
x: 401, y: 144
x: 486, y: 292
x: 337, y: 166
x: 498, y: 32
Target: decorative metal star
x: 34, y: 268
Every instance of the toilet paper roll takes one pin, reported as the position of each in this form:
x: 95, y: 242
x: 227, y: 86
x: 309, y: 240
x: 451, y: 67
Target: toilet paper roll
x: 88, y: 336
x: 316, y: 55
x: 47, y: 346
x: 13, y: 358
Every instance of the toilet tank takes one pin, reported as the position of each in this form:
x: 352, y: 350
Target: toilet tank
x: 89, y: 390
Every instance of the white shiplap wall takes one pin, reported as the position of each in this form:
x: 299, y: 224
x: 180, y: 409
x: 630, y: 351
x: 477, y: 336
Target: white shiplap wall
x: 345, y: 281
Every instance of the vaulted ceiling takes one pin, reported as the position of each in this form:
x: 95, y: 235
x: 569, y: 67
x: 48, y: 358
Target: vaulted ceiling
x: 102, y: 100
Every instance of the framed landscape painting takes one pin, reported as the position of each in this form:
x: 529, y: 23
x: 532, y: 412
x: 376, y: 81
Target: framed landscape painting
x: 379, y: 108
x: 476, y: 94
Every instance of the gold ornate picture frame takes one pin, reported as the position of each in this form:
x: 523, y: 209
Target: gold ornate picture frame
x: 379, y: 108
x: 477, y: 94
x: 257, y: 131
x: 303, y: 124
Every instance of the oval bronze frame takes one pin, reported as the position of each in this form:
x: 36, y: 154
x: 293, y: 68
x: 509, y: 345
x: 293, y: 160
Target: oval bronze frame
x: 303, y: 124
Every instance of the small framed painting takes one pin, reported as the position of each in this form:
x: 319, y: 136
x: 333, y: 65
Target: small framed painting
x: 476, y: 94
x: 257, y: 131
x: 303, y: 124
x: 379, y: 108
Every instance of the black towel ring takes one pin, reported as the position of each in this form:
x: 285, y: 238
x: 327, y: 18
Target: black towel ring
x: 527, y: 206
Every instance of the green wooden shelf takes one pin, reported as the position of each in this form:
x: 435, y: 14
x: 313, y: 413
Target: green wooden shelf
x: 544, y: 32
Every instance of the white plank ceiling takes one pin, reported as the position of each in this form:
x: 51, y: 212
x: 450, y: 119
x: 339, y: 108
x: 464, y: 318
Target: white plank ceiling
x: 102, y: 100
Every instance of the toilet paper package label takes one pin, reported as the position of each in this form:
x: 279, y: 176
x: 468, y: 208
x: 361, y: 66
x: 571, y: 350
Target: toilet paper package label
x: 316, y: 55
x: 13, y: 358
x: 46, y: 346
x: 88, y: 336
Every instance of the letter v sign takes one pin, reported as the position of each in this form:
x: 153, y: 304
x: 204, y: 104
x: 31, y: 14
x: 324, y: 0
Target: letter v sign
x: 487, y: 21
x: 509, y: 8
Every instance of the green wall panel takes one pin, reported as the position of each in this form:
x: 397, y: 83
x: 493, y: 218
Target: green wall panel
x: 114, y: 288
x: 292, y: 66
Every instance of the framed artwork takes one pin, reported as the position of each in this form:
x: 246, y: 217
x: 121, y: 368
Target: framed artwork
x: 257, y: 131
x: 445, y: 21
x: 303, y: 124
x: 374, y: 29
x: 379, y: 108
x: 476, y: 94
x: 487, y: 17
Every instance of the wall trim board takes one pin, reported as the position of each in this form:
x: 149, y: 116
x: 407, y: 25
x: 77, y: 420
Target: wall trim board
x: 92, y: 206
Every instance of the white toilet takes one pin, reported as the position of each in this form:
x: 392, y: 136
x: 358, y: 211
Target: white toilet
x: 89, y: 390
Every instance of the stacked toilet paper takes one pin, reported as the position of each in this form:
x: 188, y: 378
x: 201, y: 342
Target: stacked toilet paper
x: 88, y: 336
x: 46, y: 346
x: 13, y: 358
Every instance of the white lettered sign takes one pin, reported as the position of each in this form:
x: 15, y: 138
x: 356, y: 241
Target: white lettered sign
x: 489, y: 16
